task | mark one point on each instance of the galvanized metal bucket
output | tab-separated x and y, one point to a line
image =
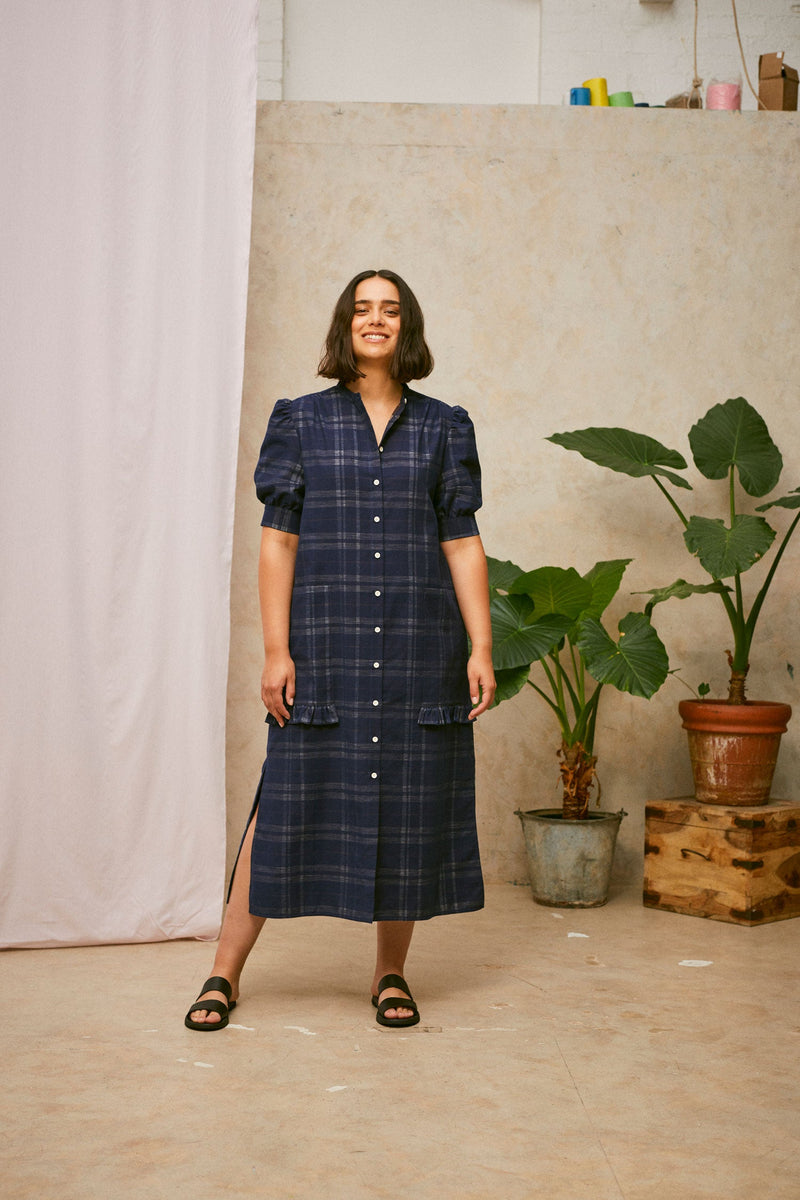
570	861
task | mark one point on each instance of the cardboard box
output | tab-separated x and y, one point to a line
730	864
777	83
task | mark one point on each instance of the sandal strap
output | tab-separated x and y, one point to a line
396	1002
394	981
216	984
210	1006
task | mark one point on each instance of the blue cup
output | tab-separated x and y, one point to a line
580	95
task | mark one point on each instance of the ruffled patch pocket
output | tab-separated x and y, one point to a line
444	714
310	643
309	714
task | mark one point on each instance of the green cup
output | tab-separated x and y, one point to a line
621	100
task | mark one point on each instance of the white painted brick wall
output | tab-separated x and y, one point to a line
647	48
643	48
270	49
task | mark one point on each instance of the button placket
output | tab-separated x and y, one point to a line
375	556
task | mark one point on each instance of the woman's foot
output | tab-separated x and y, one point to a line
220	1004
392	1014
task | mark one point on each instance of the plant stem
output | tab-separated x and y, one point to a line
566	732
661	488
735	612
759	600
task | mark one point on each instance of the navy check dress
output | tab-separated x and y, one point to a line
366	803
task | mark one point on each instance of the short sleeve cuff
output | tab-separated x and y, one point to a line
451	528
284	519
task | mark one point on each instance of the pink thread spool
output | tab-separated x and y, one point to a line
724	96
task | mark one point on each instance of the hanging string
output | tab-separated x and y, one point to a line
696	95
759	102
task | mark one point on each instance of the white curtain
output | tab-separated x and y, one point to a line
127	139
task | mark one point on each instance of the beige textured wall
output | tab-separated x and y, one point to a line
575	268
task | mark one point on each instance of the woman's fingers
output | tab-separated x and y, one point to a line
482	688
277	691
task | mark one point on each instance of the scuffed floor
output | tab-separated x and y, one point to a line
574	1055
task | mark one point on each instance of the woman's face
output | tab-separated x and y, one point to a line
375	327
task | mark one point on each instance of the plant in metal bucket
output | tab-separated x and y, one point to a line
548	634
731	440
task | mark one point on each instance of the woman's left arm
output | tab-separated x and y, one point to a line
467	563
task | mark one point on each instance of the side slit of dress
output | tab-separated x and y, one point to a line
248	823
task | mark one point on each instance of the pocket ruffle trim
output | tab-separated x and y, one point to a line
444	714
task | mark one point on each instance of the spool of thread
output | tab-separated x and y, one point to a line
580	95
724	96
621	100
599	90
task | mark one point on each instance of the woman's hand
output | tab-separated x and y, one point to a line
277	686
482	686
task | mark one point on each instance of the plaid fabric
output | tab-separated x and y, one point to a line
366	804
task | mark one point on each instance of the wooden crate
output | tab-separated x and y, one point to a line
730	864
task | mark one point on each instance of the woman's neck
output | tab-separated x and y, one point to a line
377	387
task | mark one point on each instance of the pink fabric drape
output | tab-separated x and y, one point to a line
127	133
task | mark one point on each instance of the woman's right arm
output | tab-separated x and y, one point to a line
275	581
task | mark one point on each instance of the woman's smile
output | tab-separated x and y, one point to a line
375	327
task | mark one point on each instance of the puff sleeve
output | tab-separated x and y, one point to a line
458	495
279	473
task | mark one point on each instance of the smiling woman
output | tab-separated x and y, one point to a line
372	578
411	358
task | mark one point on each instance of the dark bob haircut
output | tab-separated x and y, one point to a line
412	358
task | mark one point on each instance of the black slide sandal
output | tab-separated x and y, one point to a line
407	1001
215	984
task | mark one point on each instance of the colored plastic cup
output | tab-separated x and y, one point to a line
580	95
599	89
621	100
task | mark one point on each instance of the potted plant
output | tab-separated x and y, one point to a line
733	742
548	634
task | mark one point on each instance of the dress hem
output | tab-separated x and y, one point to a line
347	916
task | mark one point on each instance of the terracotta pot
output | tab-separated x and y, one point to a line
733	748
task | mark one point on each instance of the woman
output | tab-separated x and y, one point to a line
371	575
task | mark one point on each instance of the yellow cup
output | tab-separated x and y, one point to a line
598	89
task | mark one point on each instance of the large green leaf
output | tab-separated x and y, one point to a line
518	640
734	435
623	450
509	683
555	590
679	590
605	578
502	574
790	501
724	552
637	663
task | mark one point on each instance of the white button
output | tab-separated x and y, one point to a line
377	593
376	520
374	774
380	448
376	482
374	739
377	628
375	703
377	553
376	665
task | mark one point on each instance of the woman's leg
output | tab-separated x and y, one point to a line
239	931
394	938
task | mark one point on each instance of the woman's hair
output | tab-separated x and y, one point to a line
412	358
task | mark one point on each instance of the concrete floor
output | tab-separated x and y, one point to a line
562	1055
